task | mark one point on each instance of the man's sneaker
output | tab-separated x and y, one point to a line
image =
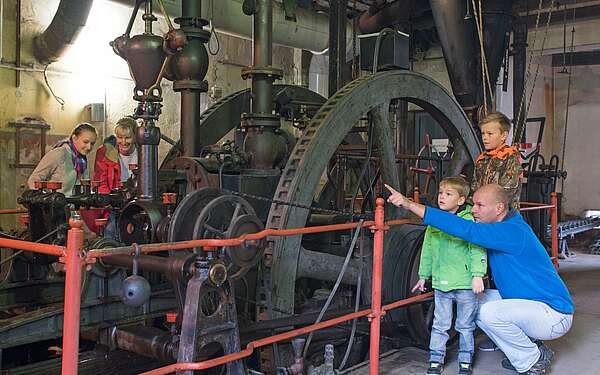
465	368
507	365
539	367
435	368
546	352
487	346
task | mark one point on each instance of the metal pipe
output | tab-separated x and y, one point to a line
496	23
457	37
554	228
147	164
69	20
18	45
519	68
392	14
33	246
74	265
13	211
337	45
325	267
262	56
189	67
310	31
190	118
149	342
210	244
376	311
277	338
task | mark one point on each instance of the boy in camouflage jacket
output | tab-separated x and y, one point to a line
499	163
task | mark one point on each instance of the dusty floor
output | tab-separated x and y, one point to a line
577	353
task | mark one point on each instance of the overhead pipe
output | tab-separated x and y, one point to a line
379	17
309	32
457	36
69	20
496	24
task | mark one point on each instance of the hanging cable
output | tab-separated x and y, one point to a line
213	32
485	75
60	100
356	303
564	143
336	286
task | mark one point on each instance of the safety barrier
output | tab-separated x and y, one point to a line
75	259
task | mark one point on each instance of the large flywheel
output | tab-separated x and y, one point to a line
369	95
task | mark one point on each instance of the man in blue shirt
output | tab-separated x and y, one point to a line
531	301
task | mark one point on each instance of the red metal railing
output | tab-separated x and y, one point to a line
553	207
75	259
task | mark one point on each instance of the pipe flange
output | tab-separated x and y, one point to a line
190	84
217	273
196	33
268	71
259	120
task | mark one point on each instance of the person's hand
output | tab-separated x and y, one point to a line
396	198
477	285
420	285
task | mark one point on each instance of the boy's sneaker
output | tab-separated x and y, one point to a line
465	368
435	368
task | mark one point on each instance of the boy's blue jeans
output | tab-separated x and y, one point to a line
466	311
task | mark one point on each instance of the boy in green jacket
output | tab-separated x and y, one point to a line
456	269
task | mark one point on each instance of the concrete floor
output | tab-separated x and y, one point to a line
578	352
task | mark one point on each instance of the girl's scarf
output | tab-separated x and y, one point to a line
79	161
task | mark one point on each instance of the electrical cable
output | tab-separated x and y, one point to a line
564	143
60	100
356	305
336	286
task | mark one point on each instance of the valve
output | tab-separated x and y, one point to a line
135	289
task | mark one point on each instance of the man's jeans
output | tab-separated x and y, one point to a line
466	310
512	323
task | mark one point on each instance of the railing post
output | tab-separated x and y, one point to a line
376	312
416	195
73	264
554	228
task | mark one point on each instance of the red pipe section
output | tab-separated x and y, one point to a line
277	338
211	244
13	211
73	264
33	246
376	314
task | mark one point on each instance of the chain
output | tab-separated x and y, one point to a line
366	215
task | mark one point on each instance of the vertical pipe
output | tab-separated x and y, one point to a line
519	67
18	46
376	311
416	195
457	37
262	56
73	266
554	228
337	44
190	119
148	17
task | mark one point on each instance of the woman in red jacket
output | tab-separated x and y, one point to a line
112	165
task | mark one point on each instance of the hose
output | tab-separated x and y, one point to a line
336	286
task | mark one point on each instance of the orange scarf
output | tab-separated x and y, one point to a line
502	153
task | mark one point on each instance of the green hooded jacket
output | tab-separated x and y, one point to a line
449	261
